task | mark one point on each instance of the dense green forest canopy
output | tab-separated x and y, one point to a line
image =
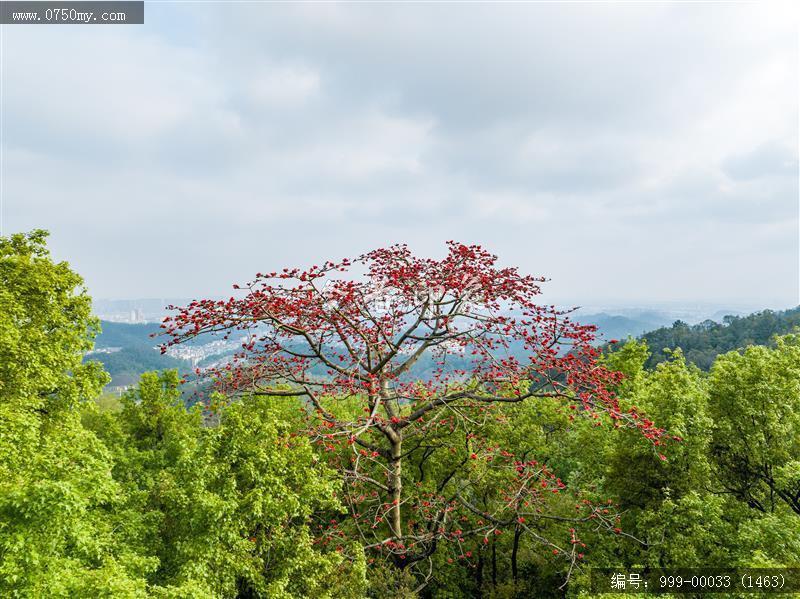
144	497
703	342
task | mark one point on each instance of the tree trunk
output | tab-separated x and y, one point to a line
494	564
517	535
479	575
396	489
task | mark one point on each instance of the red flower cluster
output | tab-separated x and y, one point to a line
327	334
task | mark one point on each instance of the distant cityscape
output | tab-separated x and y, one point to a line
135	316
194	354
135	311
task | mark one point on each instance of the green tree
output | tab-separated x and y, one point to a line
56	487
225	511
140	499
755	403
670	517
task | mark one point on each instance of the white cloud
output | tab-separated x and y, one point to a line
559	136
284	85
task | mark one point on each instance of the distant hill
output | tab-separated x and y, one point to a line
701	343
119	334
616	326
127	351
126	365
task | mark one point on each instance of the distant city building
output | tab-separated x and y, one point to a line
195	353
104	350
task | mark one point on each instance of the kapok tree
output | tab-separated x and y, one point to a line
348	337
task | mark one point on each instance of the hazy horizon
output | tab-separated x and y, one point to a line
103	307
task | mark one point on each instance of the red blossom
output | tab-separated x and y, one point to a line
321	335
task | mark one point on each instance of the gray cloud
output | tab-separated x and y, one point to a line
641	151
767	160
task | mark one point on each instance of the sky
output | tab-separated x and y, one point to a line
631	152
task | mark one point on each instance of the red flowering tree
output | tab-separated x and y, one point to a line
350	345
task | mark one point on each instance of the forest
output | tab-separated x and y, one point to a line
317	468
703	342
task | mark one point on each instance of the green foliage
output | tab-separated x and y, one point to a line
703	342
138	496
56	487
46	326
755	402
696	508
674	512
223	510
135	352
129	363
674	396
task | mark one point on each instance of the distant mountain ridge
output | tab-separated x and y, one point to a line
134	350
703	342
617	326
135	353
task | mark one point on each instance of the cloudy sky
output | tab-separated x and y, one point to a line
631	152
